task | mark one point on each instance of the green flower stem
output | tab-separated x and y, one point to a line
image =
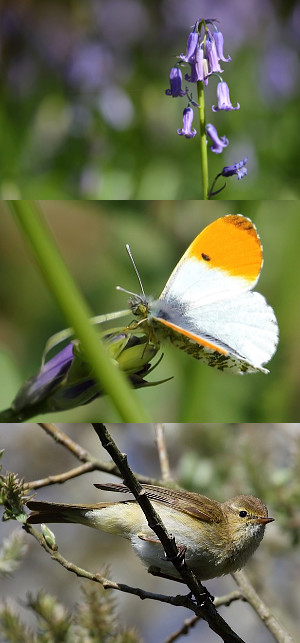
203	144
75	310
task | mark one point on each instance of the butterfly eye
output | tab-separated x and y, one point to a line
243	514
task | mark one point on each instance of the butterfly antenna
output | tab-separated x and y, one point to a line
135	268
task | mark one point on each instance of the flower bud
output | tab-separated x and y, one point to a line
49	537
66	380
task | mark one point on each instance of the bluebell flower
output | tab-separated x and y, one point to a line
186	131
219	41
229	170
237	168
191	46
199	68
224	98
212	56
218	143
175	82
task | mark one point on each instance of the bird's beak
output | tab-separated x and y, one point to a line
264	521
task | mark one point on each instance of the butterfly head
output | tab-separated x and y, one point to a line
140	306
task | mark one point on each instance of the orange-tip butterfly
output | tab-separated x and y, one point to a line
207	308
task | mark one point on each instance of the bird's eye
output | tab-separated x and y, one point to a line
243	514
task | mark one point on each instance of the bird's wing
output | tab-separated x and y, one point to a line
193	504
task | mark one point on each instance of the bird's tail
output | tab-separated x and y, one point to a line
60	512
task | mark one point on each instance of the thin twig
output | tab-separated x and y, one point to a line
188	623
227	599
203	606
178	600
183	601
162	452
61	477
264	613
60	437
90	463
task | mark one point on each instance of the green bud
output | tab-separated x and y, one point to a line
49	537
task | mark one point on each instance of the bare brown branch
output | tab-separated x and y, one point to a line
60	437
187	625
264	613
61	477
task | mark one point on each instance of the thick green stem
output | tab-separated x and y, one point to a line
75	310
203	144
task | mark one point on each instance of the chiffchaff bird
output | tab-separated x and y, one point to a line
218	537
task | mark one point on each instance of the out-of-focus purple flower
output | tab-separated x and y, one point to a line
190	48
219	41
275	82
212	56
175	82
218	142
52	372
237	168
53	375
186	131
224	99
199	68
66	380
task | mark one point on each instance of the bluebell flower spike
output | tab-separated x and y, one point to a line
204	51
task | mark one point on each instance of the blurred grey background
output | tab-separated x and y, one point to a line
214	459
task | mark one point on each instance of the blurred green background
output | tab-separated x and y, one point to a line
84	114
92	237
